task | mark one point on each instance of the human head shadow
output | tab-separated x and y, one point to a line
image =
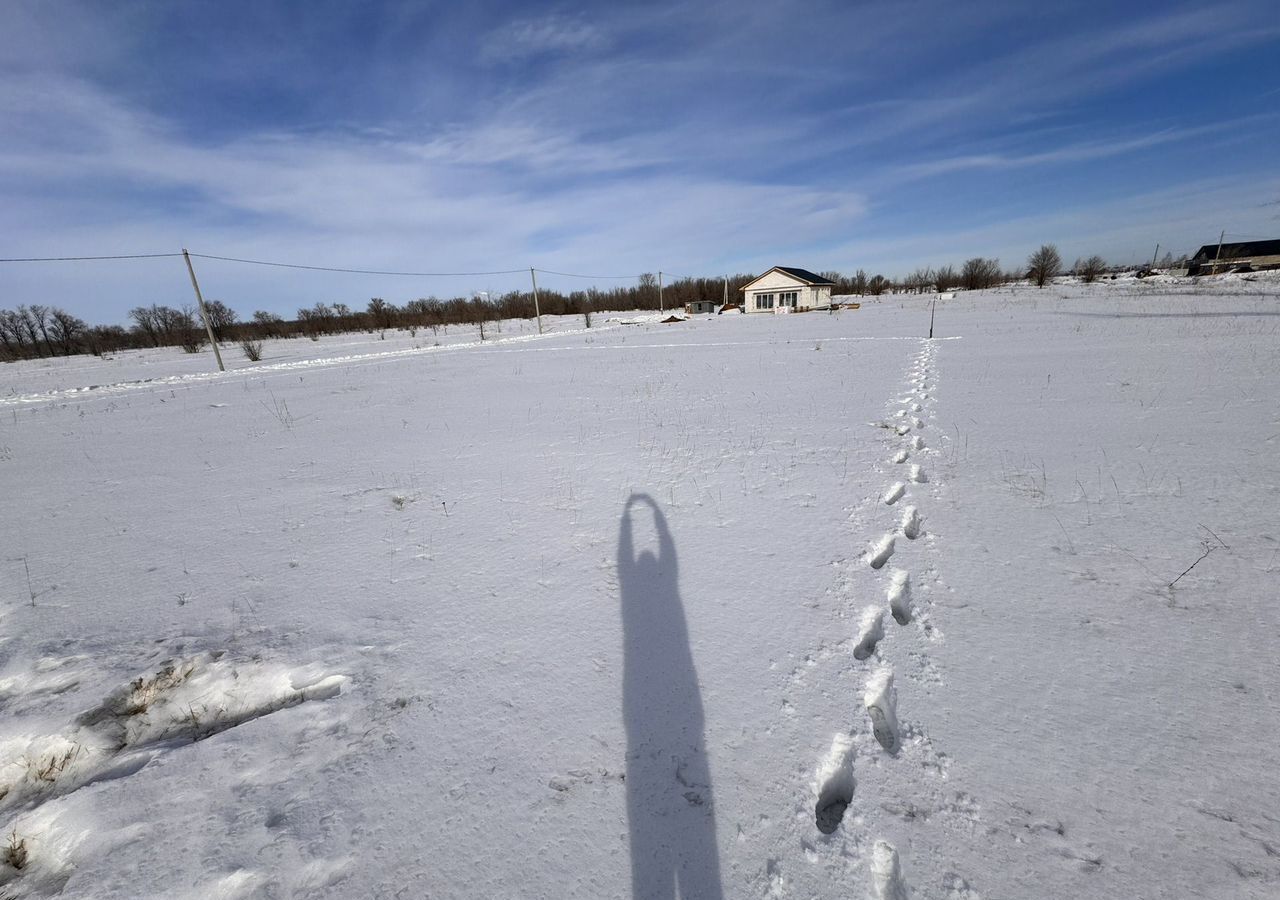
670	811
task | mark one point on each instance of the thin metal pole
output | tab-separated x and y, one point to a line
660	307
536	310
932	308
1218	255
204	313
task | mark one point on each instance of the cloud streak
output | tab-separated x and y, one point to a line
554	34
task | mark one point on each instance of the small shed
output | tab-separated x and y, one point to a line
700	307
786	289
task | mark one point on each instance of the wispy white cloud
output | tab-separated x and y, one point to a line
1085	151
553	34
449	204
1047	76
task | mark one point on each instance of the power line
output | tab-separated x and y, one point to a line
84	258
351	271
281	265
577	275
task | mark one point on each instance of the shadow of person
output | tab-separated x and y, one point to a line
669	802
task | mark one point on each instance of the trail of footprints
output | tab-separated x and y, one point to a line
835	780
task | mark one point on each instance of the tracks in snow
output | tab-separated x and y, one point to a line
879	791
895	741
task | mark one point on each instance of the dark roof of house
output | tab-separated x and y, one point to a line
804	275
1209	252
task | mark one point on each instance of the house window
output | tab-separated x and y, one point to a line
764	301
788	298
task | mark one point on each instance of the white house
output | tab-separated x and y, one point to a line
786	289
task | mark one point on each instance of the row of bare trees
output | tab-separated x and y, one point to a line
36	330
39	330
976	274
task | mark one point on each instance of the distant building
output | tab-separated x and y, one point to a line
1249	256
697	307
786	289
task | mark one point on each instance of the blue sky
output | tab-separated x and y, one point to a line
613	138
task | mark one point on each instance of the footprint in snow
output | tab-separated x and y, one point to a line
835	784
911	523
900	597
881	552
894	494
886	873
870	631
878	697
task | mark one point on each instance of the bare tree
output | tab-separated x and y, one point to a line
648	290
945	278
979	274
481	313
381	313
920	280
1044	264
27	322
343	320
1089	269
858	285
183	328
270	324
66	329
877	285
144	322
317	320
102	339
12	335
40	316
221	318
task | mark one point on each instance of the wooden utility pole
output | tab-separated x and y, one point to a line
661	309
1153	257
1218	255
536	311
726	294
204	313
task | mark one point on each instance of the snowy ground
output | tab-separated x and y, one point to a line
779	606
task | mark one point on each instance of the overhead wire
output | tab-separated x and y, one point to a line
576	275
350	271
85	258
282	265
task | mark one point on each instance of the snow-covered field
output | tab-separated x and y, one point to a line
783	606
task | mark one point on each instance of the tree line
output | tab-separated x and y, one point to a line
37	330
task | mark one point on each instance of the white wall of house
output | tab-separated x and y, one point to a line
776	290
